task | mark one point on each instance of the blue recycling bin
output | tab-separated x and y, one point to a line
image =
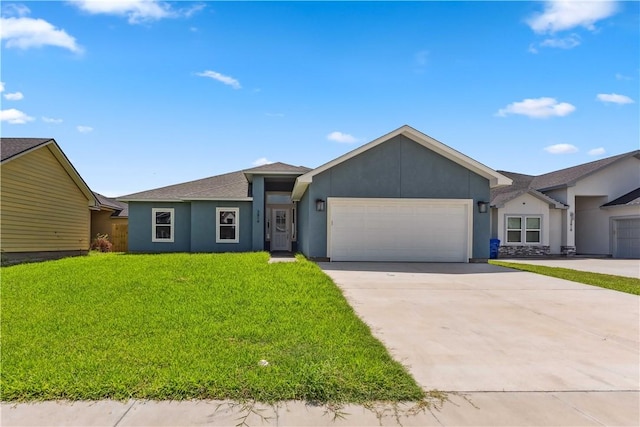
494	248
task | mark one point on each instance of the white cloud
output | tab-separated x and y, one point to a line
620	76
274	114
136	11
228	80
51	120
344	138
13	9
262	161
25	33
84	129
597	151
538	108
561	149
614	98
560	15
1	86
568	42
190	11
15	96
14	117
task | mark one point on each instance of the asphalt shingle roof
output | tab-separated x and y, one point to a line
521	184
278	167
233	185
632	198
569	176
121	210
10	147
557	179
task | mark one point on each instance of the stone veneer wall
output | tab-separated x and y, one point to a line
568	250
523	251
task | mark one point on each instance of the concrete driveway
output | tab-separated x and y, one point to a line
501	334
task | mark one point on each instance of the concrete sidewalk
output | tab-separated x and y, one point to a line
472	409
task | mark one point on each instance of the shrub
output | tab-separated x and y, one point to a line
101	243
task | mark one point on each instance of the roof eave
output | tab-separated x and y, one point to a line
300	187
29	150
187	199
71	171
159	200
225	199
249	175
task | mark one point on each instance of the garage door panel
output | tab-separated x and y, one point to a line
399	230
628	238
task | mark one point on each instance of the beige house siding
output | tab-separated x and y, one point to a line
42	207
101	223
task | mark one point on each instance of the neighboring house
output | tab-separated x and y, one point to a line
590	209
44	203
401	197
112	220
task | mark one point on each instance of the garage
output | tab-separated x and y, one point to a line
627	238
418	230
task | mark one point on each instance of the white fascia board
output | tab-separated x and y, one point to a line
224	199
188	199
249	175
552	202
299	189
495	179
125	199
25	152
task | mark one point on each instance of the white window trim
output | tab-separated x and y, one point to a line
154	225
523	229
237	225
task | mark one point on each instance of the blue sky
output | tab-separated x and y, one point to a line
142	94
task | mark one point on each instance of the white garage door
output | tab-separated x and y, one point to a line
627	238
427	230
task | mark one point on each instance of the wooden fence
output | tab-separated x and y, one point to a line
120	237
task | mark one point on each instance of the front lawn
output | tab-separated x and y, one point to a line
618	283
181	326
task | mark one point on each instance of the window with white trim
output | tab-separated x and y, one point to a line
162	220
524	229
227	222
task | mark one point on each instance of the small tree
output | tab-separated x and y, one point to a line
101	243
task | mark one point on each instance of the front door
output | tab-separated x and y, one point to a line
281	233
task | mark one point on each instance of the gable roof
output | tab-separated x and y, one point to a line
229	186
495	179
14	148
569	176
522	184
120	209
632	198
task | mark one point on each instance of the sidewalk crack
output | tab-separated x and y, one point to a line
125	414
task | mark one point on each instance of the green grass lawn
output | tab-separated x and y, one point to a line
618	283
181	326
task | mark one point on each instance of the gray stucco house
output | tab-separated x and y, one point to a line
401	197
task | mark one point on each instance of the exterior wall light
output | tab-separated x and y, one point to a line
320	205
483	207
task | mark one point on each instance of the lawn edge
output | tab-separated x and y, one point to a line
612	282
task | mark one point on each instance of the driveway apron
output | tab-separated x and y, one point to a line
479	328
